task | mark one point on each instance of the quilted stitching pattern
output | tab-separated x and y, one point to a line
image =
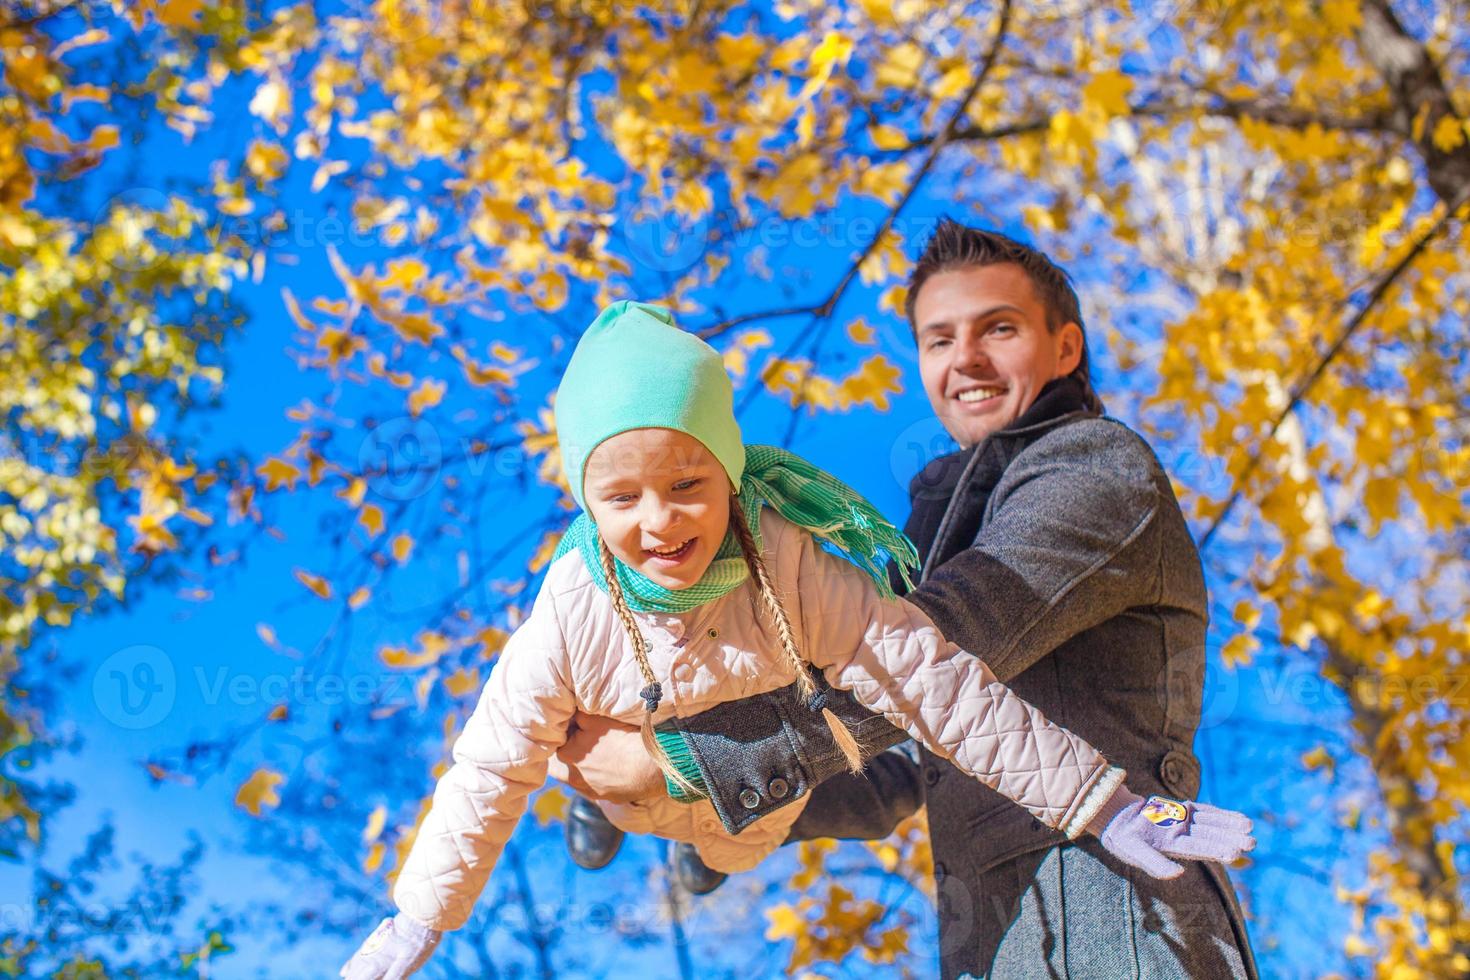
891	656
572	654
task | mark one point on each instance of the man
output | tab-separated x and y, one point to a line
1055	551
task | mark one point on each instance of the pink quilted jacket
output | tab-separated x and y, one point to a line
572	654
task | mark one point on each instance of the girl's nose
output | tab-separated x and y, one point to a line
658	515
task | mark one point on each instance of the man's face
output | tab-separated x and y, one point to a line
661	501
984	349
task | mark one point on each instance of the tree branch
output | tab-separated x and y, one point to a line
1299	391
1286	116
942	139
1420	99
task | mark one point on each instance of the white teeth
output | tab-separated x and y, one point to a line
669	551
980	394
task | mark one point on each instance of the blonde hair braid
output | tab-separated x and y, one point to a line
843	736
653	692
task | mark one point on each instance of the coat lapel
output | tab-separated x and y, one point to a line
948	506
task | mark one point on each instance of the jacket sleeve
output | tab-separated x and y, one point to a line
1072	541
891	656
500	758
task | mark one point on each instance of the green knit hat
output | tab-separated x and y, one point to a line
633	369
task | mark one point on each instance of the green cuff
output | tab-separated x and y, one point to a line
677	749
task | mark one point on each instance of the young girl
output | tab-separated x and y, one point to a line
694	576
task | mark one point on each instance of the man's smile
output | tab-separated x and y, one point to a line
980	394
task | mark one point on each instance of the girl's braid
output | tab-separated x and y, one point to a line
653	692
851	750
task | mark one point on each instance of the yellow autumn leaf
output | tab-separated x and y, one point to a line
886	137
180	13
354	492
265	160
375	823
277	473
784	923
551	804
272	102
491	641
359	597
259	791
544	551
871	384
315	583
371	519
1318	758
417	327
900	66
1107	93
401	547
431	646
1449	133
1238	650
428	394
464	681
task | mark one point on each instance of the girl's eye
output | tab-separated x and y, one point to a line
624	498
687	484
937	342
1003	328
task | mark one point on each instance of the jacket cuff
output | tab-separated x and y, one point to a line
676	748
1103	801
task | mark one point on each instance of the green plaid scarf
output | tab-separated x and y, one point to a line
800	492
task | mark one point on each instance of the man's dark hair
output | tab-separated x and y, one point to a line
956	246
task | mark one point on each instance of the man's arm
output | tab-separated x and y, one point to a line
1072	542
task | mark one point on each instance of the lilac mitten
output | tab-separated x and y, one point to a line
1146	833
396	949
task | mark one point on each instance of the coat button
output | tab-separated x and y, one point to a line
1178	772
778	788
931	775
1036	824
939	870
750	799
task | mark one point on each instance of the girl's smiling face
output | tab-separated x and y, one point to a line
661	502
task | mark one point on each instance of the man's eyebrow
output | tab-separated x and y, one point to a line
982	315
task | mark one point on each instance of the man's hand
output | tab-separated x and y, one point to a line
604	759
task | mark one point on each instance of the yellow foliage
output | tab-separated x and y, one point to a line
259	791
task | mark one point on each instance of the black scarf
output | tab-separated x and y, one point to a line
937	489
